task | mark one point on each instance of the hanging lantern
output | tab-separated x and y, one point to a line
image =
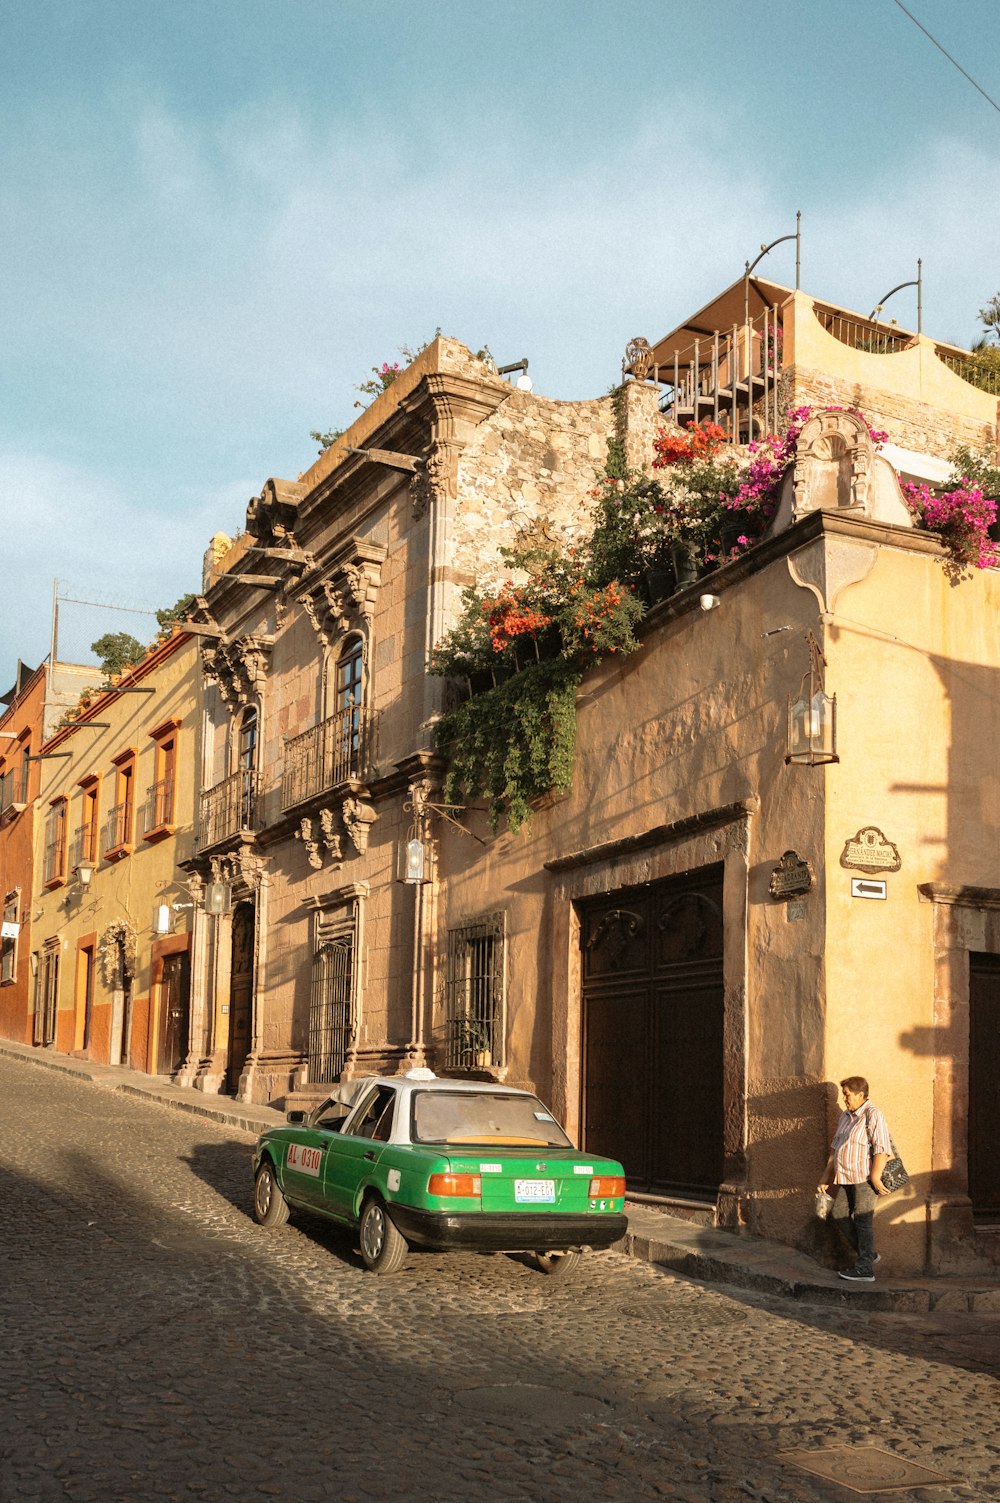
812	716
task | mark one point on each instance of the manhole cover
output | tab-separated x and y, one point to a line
691	1314
530	1401
866	1469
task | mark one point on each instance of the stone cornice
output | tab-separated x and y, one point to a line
958	896
678	829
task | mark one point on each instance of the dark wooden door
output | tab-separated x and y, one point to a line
240	994
984	1086
175	1009
653	1016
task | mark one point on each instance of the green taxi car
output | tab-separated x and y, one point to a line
412	1160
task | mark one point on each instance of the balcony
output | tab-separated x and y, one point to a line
228	809
54	865
84	846
338	750
116	837
158	809
13	791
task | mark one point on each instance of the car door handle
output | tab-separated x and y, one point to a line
370	1154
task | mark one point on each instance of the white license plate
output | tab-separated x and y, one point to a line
534	1190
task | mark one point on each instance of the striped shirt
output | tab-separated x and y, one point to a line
858	1137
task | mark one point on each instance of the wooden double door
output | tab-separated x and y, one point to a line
653	1033
984	1087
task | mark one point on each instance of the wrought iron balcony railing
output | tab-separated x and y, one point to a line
13	789
84	846
336	750
117	827
158	809
228	809
55	860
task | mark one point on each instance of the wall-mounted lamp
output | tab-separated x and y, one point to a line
163	919
708	602
85	874
218	898
812	717
413	859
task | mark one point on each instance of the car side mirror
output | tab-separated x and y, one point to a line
296	1117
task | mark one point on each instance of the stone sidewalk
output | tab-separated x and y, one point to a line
699	1252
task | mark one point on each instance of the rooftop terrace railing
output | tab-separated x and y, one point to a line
730	378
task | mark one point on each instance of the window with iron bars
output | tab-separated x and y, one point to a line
331	1005
474	1020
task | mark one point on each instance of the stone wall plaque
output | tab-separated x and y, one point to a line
869	851
790	877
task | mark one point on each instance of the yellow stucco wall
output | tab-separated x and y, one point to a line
128	886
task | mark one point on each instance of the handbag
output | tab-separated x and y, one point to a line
894	1175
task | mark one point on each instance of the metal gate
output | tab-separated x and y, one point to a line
330	1012
653	1033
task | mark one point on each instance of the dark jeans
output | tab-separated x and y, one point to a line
854	1217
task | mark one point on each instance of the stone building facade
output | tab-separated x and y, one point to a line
686	951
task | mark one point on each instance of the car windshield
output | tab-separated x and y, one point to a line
484	1117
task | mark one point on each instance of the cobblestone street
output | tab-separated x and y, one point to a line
158	1345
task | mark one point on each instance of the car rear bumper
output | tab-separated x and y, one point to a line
506	1232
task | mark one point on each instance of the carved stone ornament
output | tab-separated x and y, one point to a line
359	817
271	515
326	837
239	668
436	480
313	853
834	464
869	851
347	595
639	357
791	877
243	868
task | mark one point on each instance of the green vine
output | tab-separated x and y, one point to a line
513	742
616	444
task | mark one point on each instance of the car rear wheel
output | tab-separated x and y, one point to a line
383	1246
557	1264
270	1208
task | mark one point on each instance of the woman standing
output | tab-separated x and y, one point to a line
860	1151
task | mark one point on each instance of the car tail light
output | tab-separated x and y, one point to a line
467	1185
607	1187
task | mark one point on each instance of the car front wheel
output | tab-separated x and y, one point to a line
270	1208
383	1247
557	1264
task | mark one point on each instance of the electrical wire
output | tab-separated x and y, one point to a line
947	54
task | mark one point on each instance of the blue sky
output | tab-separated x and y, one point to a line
217	217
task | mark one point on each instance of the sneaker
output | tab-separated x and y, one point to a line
854	1276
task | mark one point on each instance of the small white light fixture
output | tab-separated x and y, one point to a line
708	602
162	919
812	717
85	874
525	383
